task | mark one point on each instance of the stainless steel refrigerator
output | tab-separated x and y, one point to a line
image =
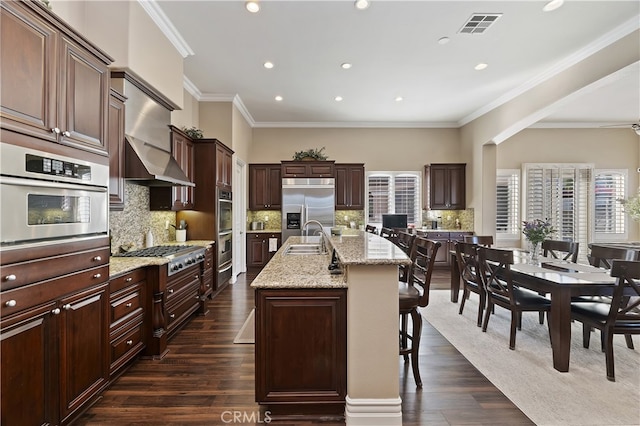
305	199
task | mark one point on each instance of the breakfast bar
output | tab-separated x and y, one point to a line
326	339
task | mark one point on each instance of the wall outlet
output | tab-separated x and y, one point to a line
166	225
266	218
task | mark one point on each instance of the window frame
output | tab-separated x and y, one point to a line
513	213
392	186
611	236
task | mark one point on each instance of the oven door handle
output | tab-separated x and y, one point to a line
226	268
4	180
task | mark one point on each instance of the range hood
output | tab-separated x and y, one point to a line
147	164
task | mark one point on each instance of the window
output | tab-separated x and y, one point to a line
507	204
609	217
394	193
560	193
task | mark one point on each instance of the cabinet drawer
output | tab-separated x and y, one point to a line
126	346
123	281
177	312
437	235
124	307
176	289
28	272
458	236
15	300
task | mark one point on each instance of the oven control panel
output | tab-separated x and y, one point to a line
182	262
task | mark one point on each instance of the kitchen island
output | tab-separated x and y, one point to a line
327	344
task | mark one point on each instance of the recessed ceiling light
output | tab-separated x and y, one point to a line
552	5
268	65
345	65
278	98
252	6
443	40
362	4
338	98
399	98
480	66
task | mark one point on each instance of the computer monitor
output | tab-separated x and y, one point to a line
394	221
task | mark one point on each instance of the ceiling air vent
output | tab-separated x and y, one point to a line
479	22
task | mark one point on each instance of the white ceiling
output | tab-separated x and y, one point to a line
393	46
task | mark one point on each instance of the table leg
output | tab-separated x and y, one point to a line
455	278
560	328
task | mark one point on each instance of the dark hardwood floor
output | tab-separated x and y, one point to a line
206	379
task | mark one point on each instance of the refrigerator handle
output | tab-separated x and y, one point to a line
305	213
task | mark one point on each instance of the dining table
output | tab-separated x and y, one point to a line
560	280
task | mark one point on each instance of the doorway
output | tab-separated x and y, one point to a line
239	219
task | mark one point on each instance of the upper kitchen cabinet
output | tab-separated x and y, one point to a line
116	150
308	169
176	197
224	166
55	83
445	184
265	186
349	186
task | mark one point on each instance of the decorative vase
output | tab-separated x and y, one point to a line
534	251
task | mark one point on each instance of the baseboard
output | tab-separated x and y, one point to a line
373	412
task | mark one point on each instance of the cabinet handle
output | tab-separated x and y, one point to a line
11	277
67	133
97	275
196	276
172	316
56	311
208	285
67	307
55	130
128	305
129	279
97	258
129	342
10	303
171	291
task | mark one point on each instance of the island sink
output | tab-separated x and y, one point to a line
304	249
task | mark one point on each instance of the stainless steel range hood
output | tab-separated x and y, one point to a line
147	164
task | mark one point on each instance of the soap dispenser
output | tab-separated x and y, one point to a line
149	239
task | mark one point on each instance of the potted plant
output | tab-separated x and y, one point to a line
193	132
312	154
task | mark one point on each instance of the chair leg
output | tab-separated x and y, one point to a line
609	354
629	340
465	295
481	303
487	313
415	345
404	336
586	335
519	320
514	325
541	317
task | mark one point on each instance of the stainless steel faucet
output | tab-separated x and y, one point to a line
321	231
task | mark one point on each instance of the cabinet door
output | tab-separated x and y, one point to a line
349	186
84	98
188	165
84	347
223	166
27	44
442	256
258	189
28	346
257	250
356	176
343	195
116	151
446	186
457	197
275	187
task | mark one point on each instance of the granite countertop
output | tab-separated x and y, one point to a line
122	265
311	271
263	231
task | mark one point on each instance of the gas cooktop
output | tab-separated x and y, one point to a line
180	256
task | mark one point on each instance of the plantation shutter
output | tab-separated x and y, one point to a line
379	197
507	202
560	193
609	212
406	197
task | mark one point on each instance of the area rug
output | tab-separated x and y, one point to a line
247	332
582	396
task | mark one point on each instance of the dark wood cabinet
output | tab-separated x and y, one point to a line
301	365
208	285
116	150
224	167
54	332
265	186
55	84
447	240
308	169
445	186
349	186
258	254
176	197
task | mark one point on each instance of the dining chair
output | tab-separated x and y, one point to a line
467	258
404	240
560	249
496	276
388	233
481	240
621	316
413	294
372	229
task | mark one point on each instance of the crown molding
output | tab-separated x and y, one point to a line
358	124
162	21
191	88
243	110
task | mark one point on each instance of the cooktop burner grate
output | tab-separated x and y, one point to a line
159	251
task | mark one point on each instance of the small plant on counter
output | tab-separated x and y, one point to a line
310	154
193	132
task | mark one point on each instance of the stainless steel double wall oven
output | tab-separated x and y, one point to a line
225	235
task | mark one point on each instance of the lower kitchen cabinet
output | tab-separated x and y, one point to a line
447	240
258	254
301	350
